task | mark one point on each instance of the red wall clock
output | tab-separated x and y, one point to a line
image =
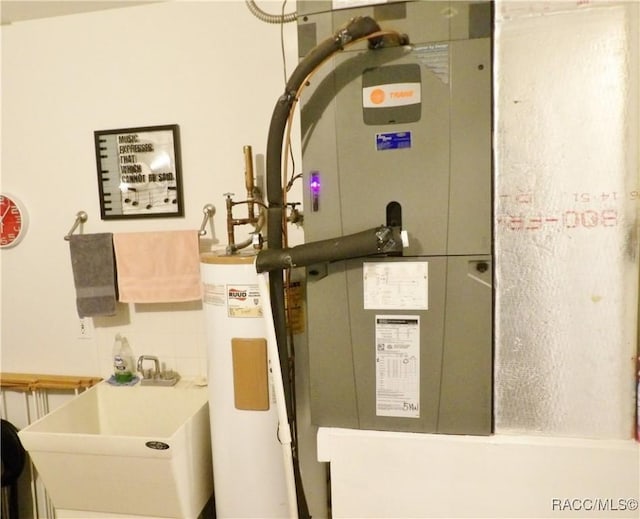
13	221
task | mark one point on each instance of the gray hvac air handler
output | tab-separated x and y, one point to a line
402	136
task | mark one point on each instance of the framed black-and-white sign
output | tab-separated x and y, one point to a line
139	172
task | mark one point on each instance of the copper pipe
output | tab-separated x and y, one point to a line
231	241
248	177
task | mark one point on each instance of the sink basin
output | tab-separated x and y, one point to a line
137	450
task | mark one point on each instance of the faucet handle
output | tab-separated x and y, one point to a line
148	373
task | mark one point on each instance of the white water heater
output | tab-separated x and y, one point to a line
248	467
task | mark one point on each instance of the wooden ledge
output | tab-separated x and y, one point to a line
33	381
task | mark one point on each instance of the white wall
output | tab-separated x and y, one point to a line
209	66
212	68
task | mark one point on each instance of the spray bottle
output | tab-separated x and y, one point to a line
122	360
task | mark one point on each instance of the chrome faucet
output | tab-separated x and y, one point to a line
155	376
149	373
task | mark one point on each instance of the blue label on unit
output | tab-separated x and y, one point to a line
393	141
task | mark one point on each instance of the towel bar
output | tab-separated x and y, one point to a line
81	217
208	210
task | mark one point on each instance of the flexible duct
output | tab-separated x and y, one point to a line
270	18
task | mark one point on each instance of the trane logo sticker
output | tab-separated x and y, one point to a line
396	94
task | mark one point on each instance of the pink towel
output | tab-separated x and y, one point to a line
158	267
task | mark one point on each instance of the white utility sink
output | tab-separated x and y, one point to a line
135	450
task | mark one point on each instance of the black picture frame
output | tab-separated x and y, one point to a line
139	172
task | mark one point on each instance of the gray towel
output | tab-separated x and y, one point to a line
94	273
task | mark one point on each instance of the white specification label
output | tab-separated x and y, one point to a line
398	366
396	285
214	294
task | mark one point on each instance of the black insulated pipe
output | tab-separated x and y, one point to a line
357	28
380	240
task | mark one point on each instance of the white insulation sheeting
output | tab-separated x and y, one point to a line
566	232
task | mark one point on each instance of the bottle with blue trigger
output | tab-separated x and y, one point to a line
122	360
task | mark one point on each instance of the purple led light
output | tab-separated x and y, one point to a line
314	183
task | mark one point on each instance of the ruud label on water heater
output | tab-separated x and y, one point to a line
391	94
